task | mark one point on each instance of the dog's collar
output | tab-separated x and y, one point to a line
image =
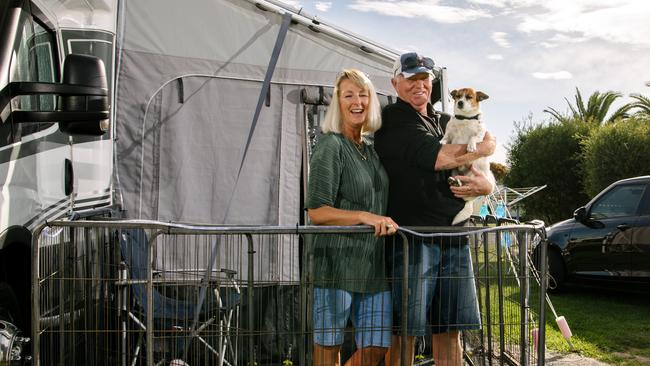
478	116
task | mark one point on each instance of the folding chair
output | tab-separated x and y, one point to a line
173	313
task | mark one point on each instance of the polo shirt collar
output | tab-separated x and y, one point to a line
403	104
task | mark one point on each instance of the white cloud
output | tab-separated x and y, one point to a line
500	38
566	38
429	9
558	75
494	3
323	5
495	56
618	21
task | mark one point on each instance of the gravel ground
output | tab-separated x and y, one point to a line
573	359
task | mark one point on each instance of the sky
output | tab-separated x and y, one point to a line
527	55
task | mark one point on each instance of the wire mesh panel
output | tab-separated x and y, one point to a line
150	293
76	289
508	295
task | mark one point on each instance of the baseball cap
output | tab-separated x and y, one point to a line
411	63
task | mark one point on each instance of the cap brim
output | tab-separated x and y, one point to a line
416	70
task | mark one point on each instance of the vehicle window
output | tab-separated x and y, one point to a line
620	201
93	43
33	60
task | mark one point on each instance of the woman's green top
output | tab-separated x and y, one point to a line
350	178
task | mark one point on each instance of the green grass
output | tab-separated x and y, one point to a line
608	325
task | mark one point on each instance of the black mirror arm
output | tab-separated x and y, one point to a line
47	117
35	88
16	89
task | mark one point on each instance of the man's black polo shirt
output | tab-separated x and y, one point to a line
408	147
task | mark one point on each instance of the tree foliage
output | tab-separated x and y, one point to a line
641	104
549	155
595	110
579	153
499	170
617	151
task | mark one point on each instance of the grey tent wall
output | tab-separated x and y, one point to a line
186	93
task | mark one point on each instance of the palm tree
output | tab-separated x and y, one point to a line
642	103
595	110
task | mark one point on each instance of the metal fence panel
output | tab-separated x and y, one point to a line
147	293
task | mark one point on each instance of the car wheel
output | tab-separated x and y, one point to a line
555	270
9	309
13	346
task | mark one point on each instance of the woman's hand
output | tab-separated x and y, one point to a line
326	215
472	186
384	225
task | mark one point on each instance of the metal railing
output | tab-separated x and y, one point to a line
85	309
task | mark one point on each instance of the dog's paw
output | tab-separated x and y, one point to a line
471	147
444	141
454	182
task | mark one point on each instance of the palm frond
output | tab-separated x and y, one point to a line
557	115
642	104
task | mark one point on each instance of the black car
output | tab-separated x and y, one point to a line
606	240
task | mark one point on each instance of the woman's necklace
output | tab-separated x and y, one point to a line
358	146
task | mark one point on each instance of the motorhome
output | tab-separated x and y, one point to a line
178	111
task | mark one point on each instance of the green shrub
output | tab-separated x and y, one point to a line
616	151
549	155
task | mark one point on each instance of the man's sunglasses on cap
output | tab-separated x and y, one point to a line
412	60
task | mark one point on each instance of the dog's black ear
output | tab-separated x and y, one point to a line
481	96
454	93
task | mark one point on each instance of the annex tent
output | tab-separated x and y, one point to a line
189	76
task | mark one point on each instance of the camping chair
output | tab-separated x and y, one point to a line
172	313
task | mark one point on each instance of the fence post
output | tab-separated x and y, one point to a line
251	273
524	293
542	308
36	311
502	341
149	287
405	301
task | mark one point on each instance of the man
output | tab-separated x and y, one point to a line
418	166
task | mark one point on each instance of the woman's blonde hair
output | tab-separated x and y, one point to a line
332	121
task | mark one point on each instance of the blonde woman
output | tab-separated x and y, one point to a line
349	186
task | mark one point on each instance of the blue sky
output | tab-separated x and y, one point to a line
526	55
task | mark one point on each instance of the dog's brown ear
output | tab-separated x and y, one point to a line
481	96
454	93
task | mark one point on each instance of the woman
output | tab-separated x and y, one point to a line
348	186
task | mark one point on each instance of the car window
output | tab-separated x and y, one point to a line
620	201
34	59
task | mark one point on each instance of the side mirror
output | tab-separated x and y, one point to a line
87	71
580	214
83	98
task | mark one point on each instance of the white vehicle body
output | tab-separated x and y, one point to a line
33	166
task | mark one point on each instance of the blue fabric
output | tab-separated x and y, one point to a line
500	210
442	292
134	249
370	313
484	210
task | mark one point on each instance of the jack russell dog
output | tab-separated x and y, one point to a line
465	127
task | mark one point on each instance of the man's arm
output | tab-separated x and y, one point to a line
452	156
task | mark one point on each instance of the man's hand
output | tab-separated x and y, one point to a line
472	186
487	146
452	156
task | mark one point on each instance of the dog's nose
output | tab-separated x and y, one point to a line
460	104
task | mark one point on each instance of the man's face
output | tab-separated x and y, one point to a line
415	91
